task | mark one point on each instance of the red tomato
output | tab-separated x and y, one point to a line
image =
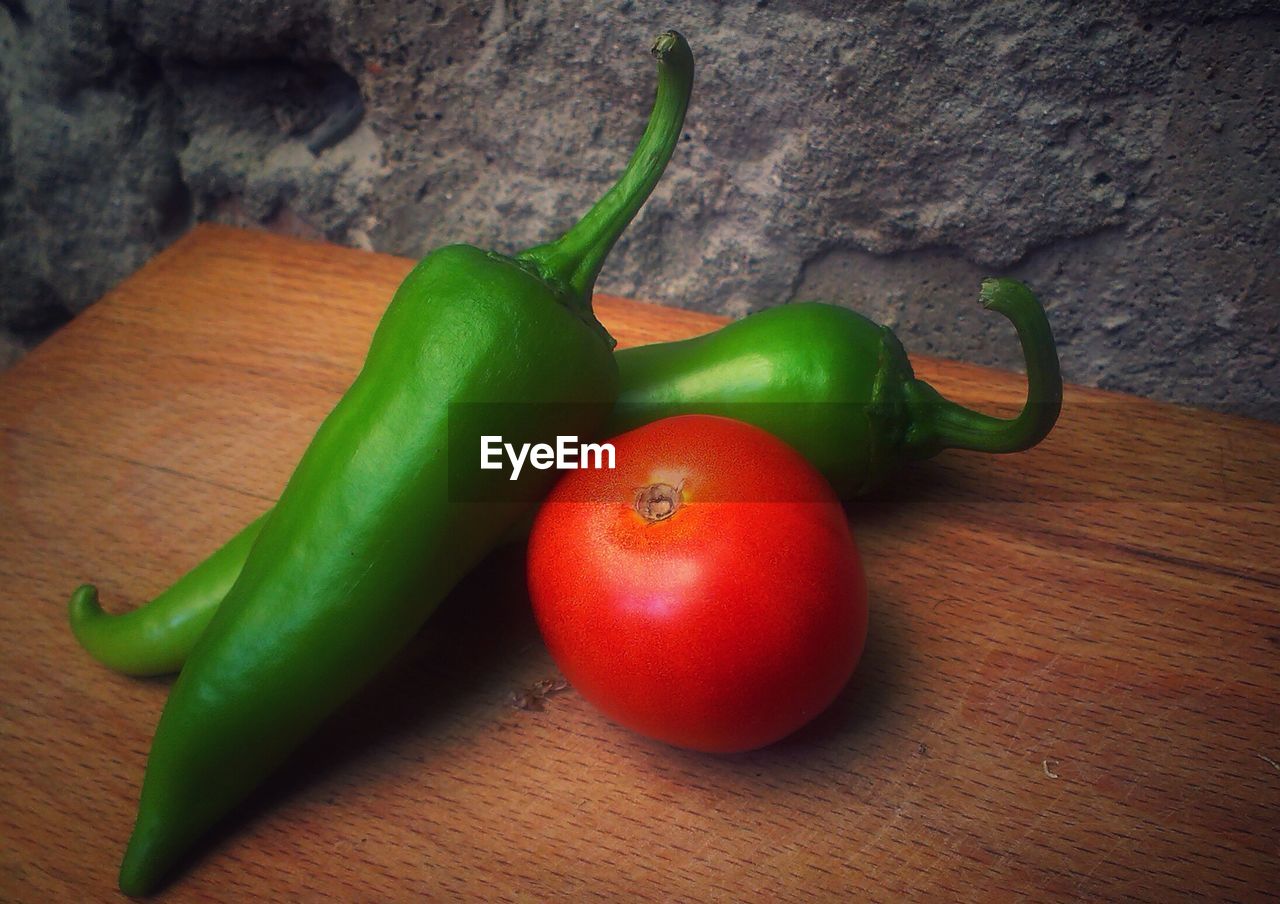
707	592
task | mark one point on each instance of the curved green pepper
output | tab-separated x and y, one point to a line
838	387
156	638
374	528
832	383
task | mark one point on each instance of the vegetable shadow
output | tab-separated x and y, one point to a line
457	669
947	480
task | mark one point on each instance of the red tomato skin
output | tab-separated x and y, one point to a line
722	628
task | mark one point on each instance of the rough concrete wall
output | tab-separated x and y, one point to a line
1118	156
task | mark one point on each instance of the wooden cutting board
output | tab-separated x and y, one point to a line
1070	688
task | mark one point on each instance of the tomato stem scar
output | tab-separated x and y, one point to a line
657	501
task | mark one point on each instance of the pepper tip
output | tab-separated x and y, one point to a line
84	605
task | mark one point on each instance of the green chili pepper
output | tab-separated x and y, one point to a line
373	528
156	639
838	387
830	382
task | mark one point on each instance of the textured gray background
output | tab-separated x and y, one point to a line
1121	157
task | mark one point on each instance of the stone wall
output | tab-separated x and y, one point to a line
1121	157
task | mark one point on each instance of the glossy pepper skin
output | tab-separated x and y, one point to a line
156	639
830	382
838	387
374	528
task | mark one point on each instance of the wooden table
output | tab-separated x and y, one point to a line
1070	689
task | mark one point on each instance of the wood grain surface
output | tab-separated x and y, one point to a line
1070	688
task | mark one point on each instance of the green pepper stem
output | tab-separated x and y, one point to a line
939	423
575	259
